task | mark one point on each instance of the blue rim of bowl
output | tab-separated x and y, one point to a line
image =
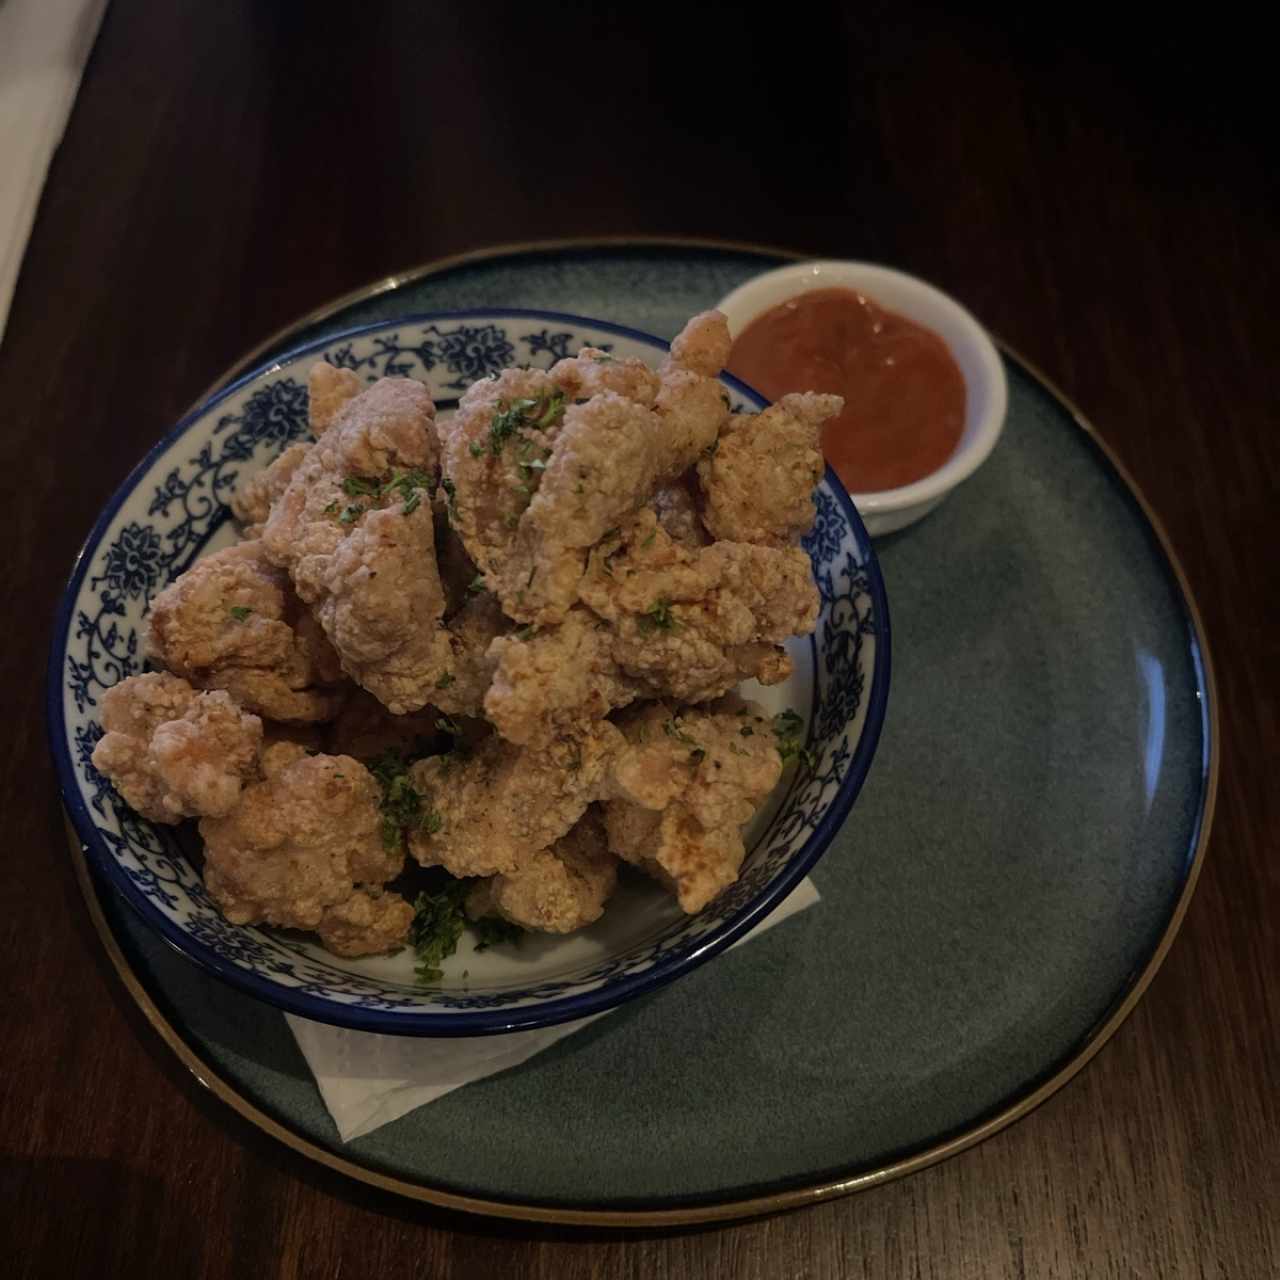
478	1022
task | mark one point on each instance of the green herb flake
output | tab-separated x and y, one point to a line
438	922
477	448
648	542
673	730
445	680
403	806
601	357
359	487
451	493
332	508
493	931
446	725
351	514
526	632
658	616
476	585
788	728
239	612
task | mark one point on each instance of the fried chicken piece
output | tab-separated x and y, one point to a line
610	456
758	484
368	923
365	728
692	624
556	680
592	371
472	630
232	621
354	529
328	392
559	889
172	752
251	502
702	346
683	790
500	804
297	846
492	450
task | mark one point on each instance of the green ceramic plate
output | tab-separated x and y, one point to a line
1012	876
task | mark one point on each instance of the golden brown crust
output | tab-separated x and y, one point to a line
172	752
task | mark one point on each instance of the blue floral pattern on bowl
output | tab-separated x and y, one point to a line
173	506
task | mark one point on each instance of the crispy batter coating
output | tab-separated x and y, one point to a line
370	922
758	484
591	371
232	621
328	391
692	624
557	680
687	784
172	752
252	499
472	630
702	346
361	550
559	889
494	468
501	803
610	456
298	844
365	728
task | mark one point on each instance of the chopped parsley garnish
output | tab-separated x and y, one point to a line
239	612
493	931
511	520
332	508
673	730
653	533
658	616
524	414
526	632
359	487
445	680
351	514
789	730
438	922
476	585
446	725
403	806
534	464
601	357
477	448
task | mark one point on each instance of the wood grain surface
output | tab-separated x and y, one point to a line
1103	195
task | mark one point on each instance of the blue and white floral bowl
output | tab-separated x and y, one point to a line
172	509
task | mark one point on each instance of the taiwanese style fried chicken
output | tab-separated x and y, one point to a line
684	789
234	622
504	642
173	752
559	889
304	849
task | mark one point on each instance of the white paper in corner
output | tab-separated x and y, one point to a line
368	1080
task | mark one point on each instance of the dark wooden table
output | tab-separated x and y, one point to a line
1102	196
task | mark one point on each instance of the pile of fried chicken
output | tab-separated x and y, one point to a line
537	611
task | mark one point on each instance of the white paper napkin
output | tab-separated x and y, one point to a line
43	48
368	1080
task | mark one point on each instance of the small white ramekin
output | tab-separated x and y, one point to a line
987	389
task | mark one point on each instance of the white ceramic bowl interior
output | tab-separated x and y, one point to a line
985	382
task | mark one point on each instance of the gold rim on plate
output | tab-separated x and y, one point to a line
753	1206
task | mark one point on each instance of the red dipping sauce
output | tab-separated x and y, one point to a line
904	394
